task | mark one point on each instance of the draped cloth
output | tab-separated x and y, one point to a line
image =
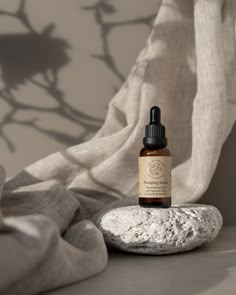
48	236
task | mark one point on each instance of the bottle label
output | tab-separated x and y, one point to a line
155	177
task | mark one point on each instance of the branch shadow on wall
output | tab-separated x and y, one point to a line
22	57
100	10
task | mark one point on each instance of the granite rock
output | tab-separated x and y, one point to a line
160	231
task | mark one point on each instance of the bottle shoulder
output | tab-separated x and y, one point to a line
162	152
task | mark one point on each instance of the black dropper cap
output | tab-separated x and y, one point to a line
155	131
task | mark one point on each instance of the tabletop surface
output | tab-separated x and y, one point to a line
209	270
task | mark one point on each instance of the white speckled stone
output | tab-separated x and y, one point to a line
160	231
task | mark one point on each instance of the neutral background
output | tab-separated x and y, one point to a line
60	64
60	70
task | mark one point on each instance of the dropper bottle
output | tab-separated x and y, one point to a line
155	164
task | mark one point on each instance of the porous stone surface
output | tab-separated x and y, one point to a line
160	231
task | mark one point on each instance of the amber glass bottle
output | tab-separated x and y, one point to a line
155	165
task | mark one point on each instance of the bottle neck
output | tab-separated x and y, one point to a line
154	146
154	142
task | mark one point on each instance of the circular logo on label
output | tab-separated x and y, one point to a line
156	169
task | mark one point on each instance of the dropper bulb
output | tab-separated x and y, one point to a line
155	115
155	132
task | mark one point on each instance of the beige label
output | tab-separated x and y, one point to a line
155	177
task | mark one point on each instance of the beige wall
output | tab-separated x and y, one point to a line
60	69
